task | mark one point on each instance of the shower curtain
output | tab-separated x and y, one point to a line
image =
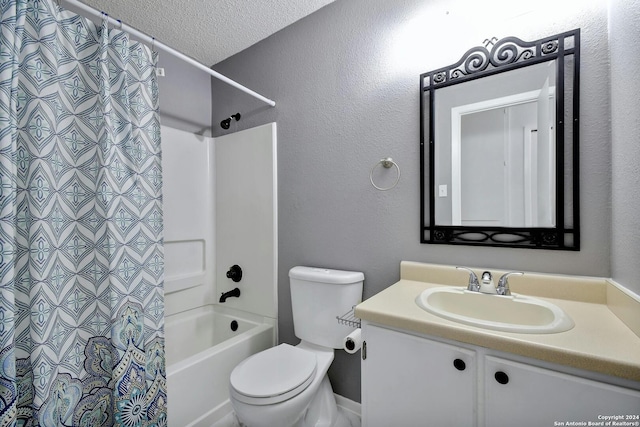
81	255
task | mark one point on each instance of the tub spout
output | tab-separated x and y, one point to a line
232	293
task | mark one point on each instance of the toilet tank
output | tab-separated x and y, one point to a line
318	295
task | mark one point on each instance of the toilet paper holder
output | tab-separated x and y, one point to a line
349	319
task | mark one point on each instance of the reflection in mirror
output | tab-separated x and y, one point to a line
495	150
501	165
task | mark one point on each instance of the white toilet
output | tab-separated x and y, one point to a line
287	386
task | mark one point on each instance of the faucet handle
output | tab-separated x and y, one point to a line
473	285
503	283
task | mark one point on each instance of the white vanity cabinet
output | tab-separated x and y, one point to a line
520	394
411	381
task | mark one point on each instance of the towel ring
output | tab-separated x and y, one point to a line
386	163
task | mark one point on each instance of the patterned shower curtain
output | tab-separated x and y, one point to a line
81	256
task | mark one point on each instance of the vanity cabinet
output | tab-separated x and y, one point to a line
411	381
520	394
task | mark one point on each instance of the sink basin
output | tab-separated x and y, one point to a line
512	313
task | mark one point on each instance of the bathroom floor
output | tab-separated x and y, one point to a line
231	420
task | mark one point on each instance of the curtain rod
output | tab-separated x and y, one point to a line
151	40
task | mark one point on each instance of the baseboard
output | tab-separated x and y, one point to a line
348	404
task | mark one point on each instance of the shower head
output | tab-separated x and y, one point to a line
227	122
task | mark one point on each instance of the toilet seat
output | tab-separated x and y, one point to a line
273	375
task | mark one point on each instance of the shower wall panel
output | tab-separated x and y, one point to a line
246	217
188	220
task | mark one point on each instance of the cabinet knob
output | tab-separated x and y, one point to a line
501	377
459	364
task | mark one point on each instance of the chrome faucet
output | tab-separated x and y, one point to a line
486	283
473	285
503	283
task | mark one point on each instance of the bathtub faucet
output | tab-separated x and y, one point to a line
233	293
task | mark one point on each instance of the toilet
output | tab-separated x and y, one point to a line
287	386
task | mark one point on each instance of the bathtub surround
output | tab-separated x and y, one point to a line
189	233
221	210
246	212
346	82
82	272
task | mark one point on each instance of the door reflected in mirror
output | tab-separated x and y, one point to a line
502	167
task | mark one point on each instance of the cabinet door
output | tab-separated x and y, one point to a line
523	395
409	381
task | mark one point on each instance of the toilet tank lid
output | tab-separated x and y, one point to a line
325	275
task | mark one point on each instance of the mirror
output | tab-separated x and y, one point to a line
499	146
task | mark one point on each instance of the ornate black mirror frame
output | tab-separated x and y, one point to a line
508	54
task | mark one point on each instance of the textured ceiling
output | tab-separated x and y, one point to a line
208	30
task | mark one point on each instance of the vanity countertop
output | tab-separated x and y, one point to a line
599	342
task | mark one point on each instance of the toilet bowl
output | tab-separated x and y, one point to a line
288	386
285	386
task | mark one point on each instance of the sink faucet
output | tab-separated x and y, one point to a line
232	293
473	285
503	283
486	283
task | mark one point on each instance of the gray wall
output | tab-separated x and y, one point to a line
625	146
347	98
185	96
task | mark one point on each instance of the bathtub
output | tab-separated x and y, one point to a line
201	351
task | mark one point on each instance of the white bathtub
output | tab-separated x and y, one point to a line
201	351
